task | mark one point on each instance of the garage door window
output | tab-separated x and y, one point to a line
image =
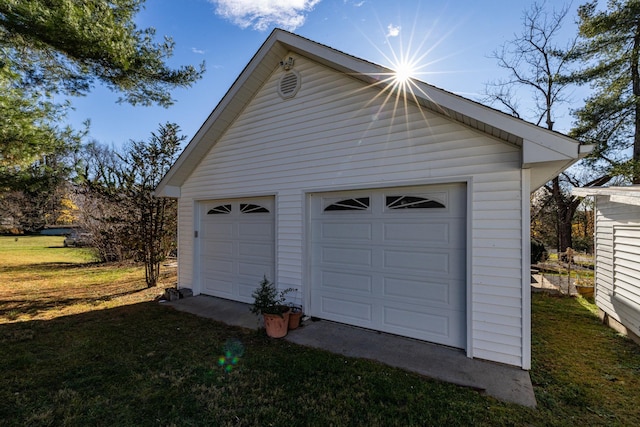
251	208
412	202
358	204
222	209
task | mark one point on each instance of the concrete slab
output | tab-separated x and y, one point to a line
503	382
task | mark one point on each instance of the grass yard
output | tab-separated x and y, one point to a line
41	280
83	344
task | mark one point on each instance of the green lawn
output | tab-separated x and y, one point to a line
82	344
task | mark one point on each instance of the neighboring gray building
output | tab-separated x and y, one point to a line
403	214
617	256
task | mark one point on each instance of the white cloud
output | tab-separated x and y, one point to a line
198	51
393	31
261	14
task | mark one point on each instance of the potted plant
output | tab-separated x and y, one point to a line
295	314
584	287
270	303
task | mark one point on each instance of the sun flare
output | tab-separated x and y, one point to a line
403	72
406	62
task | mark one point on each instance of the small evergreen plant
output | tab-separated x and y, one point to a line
267	299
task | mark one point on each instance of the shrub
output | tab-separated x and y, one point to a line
538	251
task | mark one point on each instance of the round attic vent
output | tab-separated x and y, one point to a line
289	84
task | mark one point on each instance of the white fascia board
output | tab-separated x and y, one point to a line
170	191
223	114
553	141
629	195
582	192
533	152
626	200
586	149
325	55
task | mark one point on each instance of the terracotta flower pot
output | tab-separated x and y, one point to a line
294	317
276	325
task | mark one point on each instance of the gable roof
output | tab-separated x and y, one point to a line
545	152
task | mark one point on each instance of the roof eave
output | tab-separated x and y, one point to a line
539	145
628	192
223	114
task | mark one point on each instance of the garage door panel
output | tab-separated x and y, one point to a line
254	269
218	266
416	289
219	230
338	280
416	262
435	232
219	286
441	326
417	320
335	255
347	310
444	235
218	248
262	230
346	231
245	290
246	284
429	293
255	249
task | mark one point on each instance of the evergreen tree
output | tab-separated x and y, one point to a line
61	48
64	46
610	118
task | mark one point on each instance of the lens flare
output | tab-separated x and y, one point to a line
403	72
233	350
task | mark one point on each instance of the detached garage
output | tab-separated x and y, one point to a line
390	205
617	256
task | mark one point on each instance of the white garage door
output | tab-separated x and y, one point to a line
236	246
392	260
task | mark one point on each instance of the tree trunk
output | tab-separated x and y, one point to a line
564	216
565	235
566	208
635	75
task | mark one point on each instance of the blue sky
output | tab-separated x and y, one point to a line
452	38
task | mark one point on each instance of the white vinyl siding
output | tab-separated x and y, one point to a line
626	263
618	261
335	135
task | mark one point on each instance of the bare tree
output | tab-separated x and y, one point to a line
120	210
104	211
537	63
155	219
